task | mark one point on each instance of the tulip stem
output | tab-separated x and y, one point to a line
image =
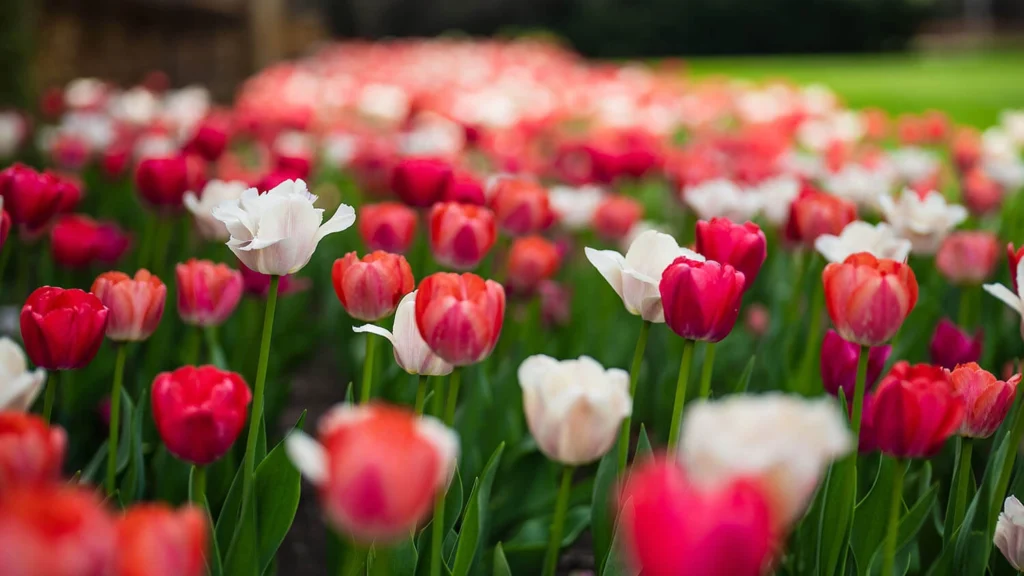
634	377
115	416
50	395
681	383
812	348
968	302
437	523
858	392
895	506
371	348
193	340
707	369
421	393
355	559
198	492
213	348
955	513
558	523
453	396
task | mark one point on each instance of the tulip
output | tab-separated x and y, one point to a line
18	386
155	540
757	319
5	224
114	160
214	193
913	411
76	241
199	412
839	360
207	292
575	207
460	316
371	288
162	180
521	206
725	440
420	182
277	232
460	235
925	221
377	468
210	138
136	304
1013	257
531	260
411	352
671	527
464	188
742	246
1009	535
56	530
258	284
33	199
813	214
701	298
868	299
879	240
951	346
31	452
616	216
967	258
388	226
721	198
987	401
981	193
62	329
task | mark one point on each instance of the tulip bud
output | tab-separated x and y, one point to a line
31	452
1009	536
18	387
868	299
815	213
967	258
258	284
155	540
839	360
162	180
951	346
464	188
378	468
913	411
77	241
521	206
758	319
214	193
199	412
986	400
371	288
531	260
62	329
574	408
136	304
210	138
701	298
31	198
460	316
420	182
981	194
207	293
411	351
388	226
742	246
460	235
616	215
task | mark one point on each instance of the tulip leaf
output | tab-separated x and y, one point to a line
213	560
98	459
616	564
243	557
399	558
134	482
227	520
643	446
909	525
840	491
744	382
501	567
525	549
868	526
475	517
124	446
276	490
601	514
452	511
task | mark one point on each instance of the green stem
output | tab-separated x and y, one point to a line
355	559
453	396
199	485
895	508
213	348
381	560
634	377
437	523
558	523
421	393
707	369
681	383
858	392
955	513
115	416
812	347
371	348
191	348
51	395
1004	474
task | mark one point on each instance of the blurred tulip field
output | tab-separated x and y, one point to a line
490	308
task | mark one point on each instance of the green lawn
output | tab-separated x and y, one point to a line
971	87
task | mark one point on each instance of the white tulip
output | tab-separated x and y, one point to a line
775	196
639	228
913	164
1007	172
214	193
1006	296
722	198
1009	536
411	350
12	132
137	106
860	236
860	185
575	207
276	233
1013	124
785	441
926	223
84	92
18	387
635	277
574	408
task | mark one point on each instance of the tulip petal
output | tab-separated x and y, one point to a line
308	455
374	329
609	264
1008	297
343	217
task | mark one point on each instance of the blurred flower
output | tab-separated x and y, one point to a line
616	216
859	236
869	298
258	284
555	303
575	207
1013	299
951	346
76	241
520	206
987	401
62	329
924	221
31	452
208	292
378	468
531	260
742	246
214	193
136	304
210	138
411	351
701	298
1009	534
370	288
757	319
981	194
914	164
775	195
114	160
813	214
912	412
156	540
968	258
460	235
199	411
420	182
722	199
162	180
33	199
18	387
387	226
460	316
860	184
839	365
277	232
574	408
13	129
464	188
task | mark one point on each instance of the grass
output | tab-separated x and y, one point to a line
972	87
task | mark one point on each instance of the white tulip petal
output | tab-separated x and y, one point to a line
610	264
308	455
374	329
1006	296
344	217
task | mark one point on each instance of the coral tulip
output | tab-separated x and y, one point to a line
207	292
815	213
701	299
460	316
371	288
987	401
155	540
62	329
616	215
531	259
388	226
31	452
742	246
951	346
967	258
460	235
136	304
521	206
839	365
868	299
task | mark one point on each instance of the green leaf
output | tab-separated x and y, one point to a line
643	446
600	508
227	520
744	382
397	559
261	440
243	557
452	511
134	483
500	562
525	550
868	523
88	475
616	565
213	561
124	445
834	527
276	490
474	519
909	526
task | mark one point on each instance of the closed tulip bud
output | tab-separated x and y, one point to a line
156	540
420	182
33	199
521	206
199	412
56	530
207	292
136	304
388	226
277	232
19	387
574	408
913	411
951	346
201	207
981	194
77	241
701	298
616	215
1013	257
378	468
31	452
460	235
460	316
742	246
815	213
1009	535
968	258
671	527
210	138
839	360
411	351
162	180
62	329
464	188
531	260
868	299
986	400
371	288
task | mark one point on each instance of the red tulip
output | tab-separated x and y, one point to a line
868	299
521	206
701	299
742	246
987	401
70	188
156	540
420	182
981	193
136	304
460	316
616	215
114	160
968	258
163	181
371	288
966	148
815	213
1013	257
912	412
62	329
5	224
388	226
76	241
951	346
55	530
531	259
460	235
210	138
839	365
464	188
555	303
30	451
207	292
673	528
33	199
258	284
